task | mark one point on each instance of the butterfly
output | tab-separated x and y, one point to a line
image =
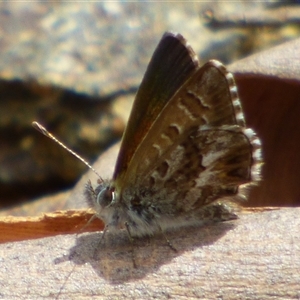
186	153
185	150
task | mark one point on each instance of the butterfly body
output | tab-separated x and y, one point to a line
186	151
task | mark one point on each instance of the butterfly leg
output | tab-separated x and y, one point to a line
87	224
218	212
131	242
100	241
167	240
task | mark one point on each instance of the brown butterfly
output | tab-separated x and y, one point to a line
186	152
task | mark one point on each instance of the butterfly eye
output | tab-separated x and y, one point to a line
104	197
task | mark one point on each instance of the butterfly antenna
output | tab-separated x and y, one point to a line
45	132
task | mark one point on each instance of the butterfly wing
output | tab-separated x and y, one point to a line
171	65
196	148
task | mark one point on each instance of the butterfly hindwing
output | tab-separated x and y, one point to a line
203	102
196	151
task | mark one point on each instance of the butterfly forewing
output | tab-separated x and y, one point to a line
171	65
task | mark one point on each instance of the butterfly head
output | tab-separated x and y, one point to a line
103	199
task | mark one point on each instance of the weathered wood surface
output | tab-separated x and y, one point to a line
255	257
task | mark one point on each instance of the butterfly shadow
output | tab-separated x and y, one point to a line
117	259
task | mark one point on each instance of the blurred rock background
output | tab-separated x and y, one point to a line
75	67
